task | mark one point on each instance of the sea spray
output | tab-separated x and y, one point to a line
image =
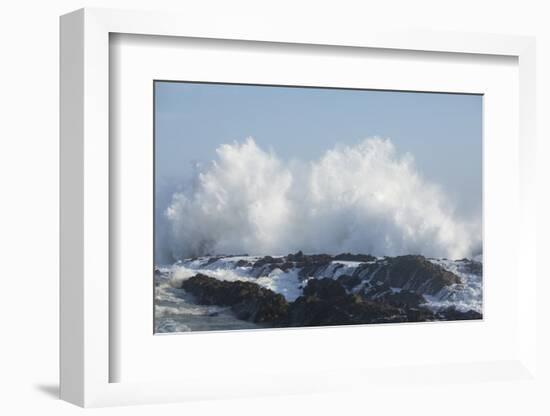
365	198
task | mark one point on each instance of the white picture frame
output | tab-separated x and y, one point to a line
86	355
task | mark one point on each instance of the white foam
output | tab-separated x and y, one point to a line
285	283
171	325
365	199
279	281
465	296
186	309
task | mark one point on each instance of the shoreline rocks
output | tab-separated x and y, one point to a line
413	273
324	302
249	301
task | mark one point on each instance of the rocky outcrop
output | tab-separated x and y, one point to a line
248	301
267	264
471	266
349	282
355	257
243	263
336	289
414	273
326	302
405	299
453	314
310	265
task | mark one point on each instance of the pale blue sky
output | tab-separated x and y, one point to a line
442	131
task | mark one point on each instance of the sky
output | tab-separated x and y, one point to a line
442	131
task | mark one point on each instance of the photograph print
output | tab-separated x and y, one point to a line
289	206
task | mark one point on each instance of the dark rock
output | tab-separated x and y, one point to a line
267	264
211	260
472	267
326	289
326	302
453	314
247	300
268	260
318	258
299	256
354	257
312	266
349	282
383	292
419	315
243	263
405	298
415	273
366	269
378	290
311	270
312	311
333	269
348	310
286	266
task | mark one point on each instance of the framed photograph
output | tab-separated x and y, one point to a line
284	211
375	233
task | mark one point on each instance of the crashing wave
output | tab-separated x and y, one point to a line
363	198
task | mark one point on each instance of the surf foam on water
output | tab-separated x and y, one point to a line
177	312
465	296
279	281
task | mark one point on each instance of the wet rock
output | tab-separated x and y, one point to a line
266	265
299	256
311	266
326	289
286	266
326	302
405	298
365	270
453	314
383	292
243	263
472	266
378	290
331	271
419	315
415	273
247	300
268	260
318	258
349	282
354	257
211	260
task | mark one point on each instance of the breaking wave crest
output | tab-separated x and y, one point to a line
365	198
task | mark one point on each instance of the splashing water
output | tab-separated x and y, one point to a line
364	198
